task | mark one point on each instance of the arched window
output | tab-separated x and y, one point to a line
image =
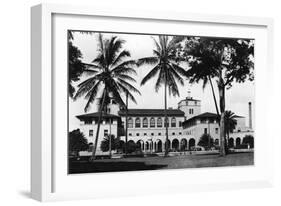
130	123
173	122
145	122
137	123
159	122
166	122
152	122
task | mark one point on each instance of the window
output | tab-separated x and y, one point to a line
179	133
205	131
173	122
173	133
190	111
152	134
130	123
138	134
130	134
137	124
144	134
145	122
159	134
91	133
105	132
217	130
167	122
159	122
152	122
88	121
180	123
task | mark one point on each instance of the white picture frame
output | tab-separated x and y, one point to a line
49	182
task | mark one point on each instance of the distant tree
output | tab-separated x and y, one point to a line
249	139
105	143
132	146
230	123
223	59
77	141
206	141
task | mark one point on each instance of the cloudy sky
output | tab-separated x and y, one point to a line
237	97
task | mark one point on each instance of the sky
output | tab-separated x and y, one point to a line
140	46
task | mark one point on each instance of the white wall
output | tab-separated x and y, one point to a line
15	95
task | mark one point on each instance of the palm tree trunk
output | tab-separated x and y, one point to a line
126	135
222	117
165	120
214	96
110	138
98	130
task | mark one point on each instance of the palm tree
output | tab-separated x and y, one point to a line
226	60
166	69
110	76
202	70
230	123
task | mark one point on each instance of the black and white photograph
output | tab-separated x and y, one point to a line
156	101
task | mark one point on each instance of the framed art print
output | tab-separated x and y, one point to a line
137	102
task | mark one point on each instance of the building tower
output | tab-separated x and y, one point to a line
191	107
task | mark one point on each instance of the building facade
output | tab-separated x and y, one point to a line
146	127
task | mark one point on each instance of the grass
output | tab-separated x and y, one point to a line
153	163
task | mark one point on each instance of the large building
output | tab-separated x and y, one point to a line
146	127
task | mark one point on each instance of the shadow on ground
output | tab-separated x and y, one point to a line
88	167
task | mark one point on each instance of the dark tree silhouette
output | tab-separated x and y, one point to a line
77	141
230	123
226	61
75	64
206	141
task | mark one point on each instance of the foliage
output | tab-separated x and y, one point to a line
165	64
165	68
77	141
75	65
131	146
206	141
105	143
230	122
225	60
109	73
249	140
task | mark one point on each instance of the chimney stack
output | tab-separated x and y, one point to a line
250	115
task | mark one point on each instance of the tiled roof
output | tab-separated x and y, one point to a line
152	112
95	115
202	116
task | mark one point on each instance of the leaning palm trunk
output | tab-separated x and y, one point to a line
214	96
126	135
165	121
98	129
222	119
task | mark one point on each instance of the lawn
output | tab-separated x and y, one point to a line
153	163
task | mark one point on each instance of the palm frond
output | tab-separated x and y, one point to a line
123	54
129	86
151	74
148	60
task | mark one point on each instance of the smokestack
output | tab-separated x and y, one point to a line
250	115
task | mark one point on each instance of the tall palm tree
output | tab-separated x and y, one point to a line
167	70
230	123
201	71
110	76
